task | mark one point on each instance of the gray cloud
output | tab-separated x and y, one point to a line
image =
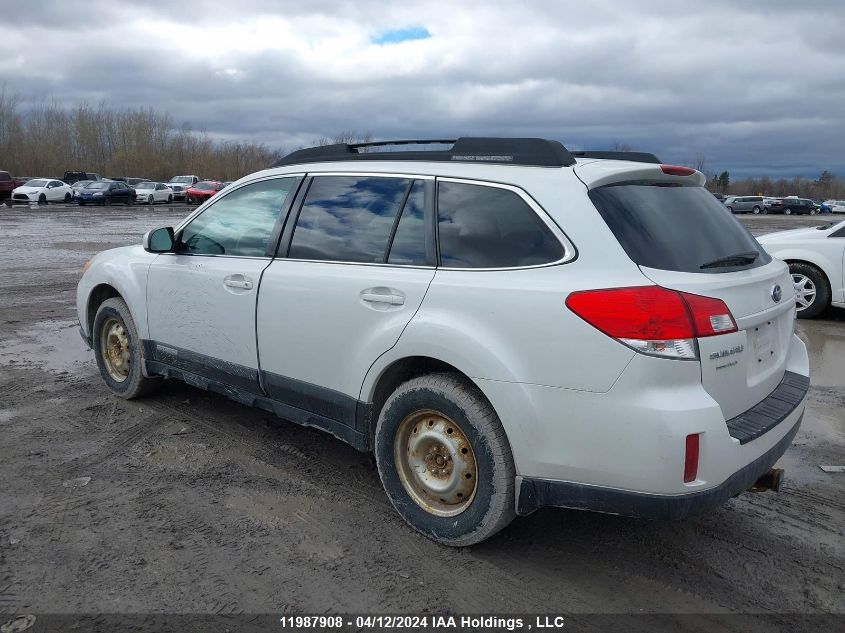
754	87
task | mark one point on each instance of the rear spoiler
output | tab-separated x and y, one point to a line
635	157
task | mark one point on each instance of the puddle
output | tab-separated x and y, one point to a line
54	346
825	341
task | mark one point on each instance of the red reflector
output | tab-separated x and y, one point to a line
677	170
651	313
691	459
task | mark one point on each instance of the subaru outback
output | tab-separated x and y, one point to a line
504	323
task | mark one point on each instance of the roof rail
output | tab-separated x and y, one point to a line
535	152
636	157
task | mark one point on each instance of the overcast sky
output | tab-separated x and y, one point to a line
757	87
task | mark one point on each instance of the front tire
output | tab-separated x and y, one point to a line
787	211
170	199
151	200
118	351
67	198
731	209
42	199
444	460
812	290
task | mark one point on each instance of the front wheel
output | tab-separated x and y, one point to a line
169	198
787	211
731	209
107	201
444	460
118	350
42	199
150	200
812	290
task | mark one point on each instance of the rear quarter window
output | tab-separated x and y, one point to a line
481	226
674	228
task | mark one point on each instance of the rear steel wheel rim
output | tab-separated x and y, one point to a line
115	350
435	462
805	291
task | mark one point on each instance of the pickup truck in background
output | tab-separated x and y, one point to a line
7	184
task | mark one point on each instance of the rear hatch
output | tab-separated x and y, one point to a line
683	239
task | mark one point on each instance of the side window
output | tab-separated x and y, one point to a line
347	218
409	241
240	223
489	227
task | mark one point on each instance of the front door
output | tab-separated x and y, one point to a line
201	299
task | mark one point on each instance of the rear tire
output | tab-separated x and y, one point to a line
787	211
67	197
118	350
756	210
812	289
434	436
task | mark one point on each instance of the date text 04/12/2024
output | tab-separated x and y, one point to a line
421	622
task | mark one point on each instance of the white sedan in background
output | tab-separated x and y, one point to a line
152	192
816	258
42	191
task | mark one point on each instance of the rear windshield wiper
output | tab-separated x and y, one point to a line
737	259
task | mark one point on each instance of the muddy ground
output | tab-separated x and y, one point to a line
188	502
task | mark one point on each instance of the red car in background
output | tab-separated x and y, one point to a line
202	191
7	184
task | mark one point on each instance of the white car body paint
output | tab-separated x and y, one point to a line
577	406
159	195
823	248
54	193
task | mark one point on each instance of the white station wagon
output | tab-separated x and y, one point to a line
505	324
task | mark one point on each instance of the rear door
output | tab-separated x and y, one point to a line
354	266
201	299
683	240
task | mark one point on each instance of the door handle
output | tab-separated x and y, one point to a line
243	284
376	297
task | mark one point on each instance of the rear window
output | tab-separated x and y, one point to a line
682	229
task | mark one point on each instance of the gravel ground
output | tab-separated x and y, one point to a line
187	502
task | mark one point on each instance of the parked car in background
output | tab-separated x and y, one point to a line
202	191
836	206
42	191
816	259
8	184
71	177
180	185
745	204
148	192
106	193
130	180
793	206
658	373
720	197
81	184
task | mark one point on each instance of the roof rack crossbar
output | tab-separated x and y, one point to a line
532	152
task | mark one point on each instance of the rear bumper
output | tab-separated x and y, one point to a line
534	493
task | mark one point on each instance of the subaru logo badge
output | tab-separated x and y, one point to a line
777	293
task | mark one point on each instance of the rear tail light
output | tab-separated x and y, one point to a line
691	458
677	170
653	320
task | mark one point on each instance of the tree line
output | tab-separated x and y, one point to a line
825	187
47	139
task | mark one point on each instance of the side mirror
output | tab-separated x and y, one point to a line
159	240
